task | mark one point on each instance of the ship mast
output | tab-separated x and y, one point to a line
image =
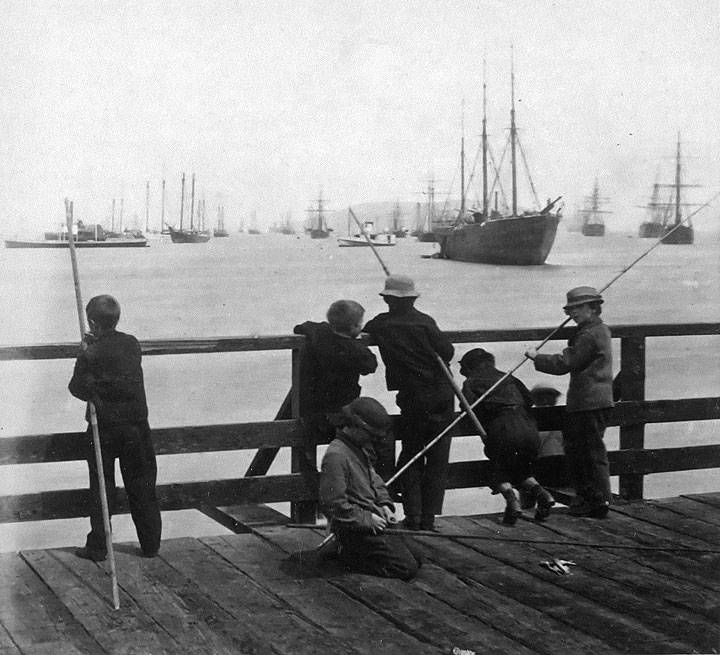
513	132
162	207
192	201
484	146
147	206
462	161
182	201
677	183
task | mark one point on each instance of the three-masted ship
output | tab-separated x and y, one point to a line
593	224
318	227
486	236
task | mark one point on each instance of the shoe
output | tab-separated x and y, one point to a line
545	501
92	555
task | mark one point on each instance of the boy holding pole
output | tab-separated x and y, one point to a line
109	373
409	343
588	359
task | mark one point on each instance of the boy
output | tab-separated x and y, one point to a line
333	360
588	359
512	440
409	343
109	373
354	497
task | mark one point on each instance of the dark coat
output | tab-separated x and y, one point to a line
409	342
588	359
110	374
330	368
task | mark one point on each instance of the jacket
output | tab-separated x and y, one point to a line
109	373
588	359
409	342
511	393
350	490
330	367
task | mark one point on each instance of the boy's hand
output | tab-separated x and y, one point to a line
388	514
378	523
531	353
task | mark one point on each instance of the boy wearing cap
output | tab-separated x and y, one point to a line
355	499
588	359
511	440
409	343
332	361
109	373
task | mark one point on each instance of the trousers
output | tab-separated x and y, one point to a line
378	554
131	444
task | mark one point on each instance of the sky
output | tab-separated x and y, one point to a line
270	104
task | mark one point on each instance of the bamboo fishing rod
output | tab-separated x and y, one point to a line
460	416
399	532
92	411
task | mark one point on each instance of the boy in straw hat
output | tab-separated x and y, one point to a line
588	359
355	499
409	343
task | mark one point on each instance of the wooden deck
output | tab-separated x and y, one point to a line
243	593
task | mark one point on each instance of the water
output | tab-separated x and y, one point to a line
265	284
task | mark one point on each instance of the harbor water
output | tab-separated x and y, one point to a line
265	284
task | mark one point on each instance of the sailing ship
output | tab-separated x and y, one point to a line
424	231
666	216
83	236
193	235
488	237
593	224
220	230
397	228
318	227
368	237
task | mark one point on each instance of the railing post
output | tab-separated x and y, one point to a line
300	511
632	387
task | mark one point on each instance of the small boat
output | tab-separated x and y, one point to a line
318	227
367	238
593	224
84	236
193	235
486	236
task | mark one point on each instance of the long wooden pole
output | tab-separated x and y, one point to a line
370	243
93	414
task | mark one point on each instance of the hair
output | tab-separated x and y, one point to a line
476	357
344	314
103	310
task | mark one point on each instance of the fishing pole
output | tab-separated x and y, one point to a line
92	411
430	444
399	532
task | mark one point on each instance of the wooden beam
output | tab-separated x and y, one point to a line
632	387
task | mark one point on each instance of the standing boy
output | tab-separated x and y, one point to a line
409	343
588	359
354	497
333	359
511	441
109	373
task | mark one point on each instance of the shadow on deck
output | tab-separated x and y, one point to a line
243	593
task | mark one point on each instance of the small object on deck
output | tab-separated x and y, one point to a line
462	651
558	566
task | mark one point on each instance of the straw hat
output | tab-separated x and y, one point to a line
581	296
400	286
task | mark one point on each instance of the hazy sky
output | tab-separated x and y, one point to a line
267	102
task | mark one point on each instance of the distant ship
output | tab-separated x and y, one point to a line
593	224
488	237
654	226
193	235
368	237
318	228
397	228
424	231
85	236
220	230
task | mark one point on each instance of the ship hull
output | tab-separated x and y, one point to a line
681	235
187	236
650	230
426	237
319	234
593	230
514	241
360	242
58	243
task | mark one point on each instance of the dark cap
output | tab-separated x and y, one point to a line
368	414
475	357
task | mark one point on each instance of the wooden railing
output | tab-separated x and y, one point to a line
631	462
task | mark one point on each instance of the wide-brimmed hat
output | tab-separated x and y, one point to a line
400	286
368	414
581	296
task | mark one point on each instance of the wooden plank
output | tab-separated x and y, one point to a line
659	515
85	591
315	598
243	518
262	614
413	611
32	618
690	507
264	457
642	571
634	628
708	499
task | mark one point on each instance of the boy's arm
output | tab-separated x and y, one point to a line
82	383
440	343
573	358
334	501
362	358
